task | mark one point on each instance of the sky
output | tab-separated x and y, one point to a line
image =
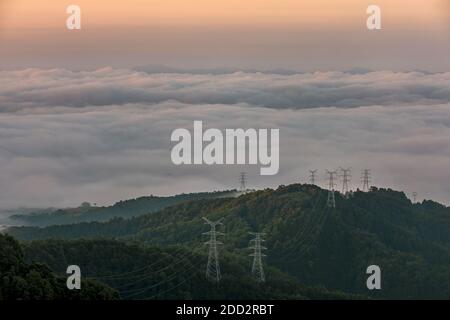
304	35
87	115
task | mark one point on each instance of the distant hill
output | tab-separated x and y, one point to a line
320	246
126	209
34	281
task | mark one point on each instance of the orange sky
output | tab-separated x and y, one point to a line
304	34
51	13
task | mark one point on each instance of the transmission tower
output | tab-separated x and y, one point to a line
346	177
331	176
365	177
257	266
312	176
243	181
415	194
213	267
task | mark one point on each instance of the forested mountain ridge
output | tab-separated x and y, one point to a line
125	209
306	239
175	272
34	281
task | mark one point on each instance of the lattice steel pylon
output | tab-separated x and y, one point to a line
312	176
243	182
331	175
257	266
346	177
365	177
415	194
213	266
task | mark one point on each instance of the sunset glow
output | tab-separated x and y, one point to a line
323	13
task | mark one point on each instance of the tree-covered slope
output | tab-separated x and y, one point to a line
143	272
126	209
316	244
34	281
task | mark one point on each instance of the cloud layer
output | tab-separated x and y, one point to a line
102	136
34	88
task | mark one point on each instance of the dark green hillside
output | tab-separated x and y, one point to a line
126	209
139	272
318	245
32	281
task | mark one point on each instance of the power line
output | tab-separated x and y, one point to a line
186	279
134	293
346	177
213	266
365	177
243	182
321	222
312	176
152	273
257	266
311	236
308	224
137	272
331	176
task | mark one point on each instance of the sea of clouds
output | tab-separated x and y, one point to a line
35	88
104	135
